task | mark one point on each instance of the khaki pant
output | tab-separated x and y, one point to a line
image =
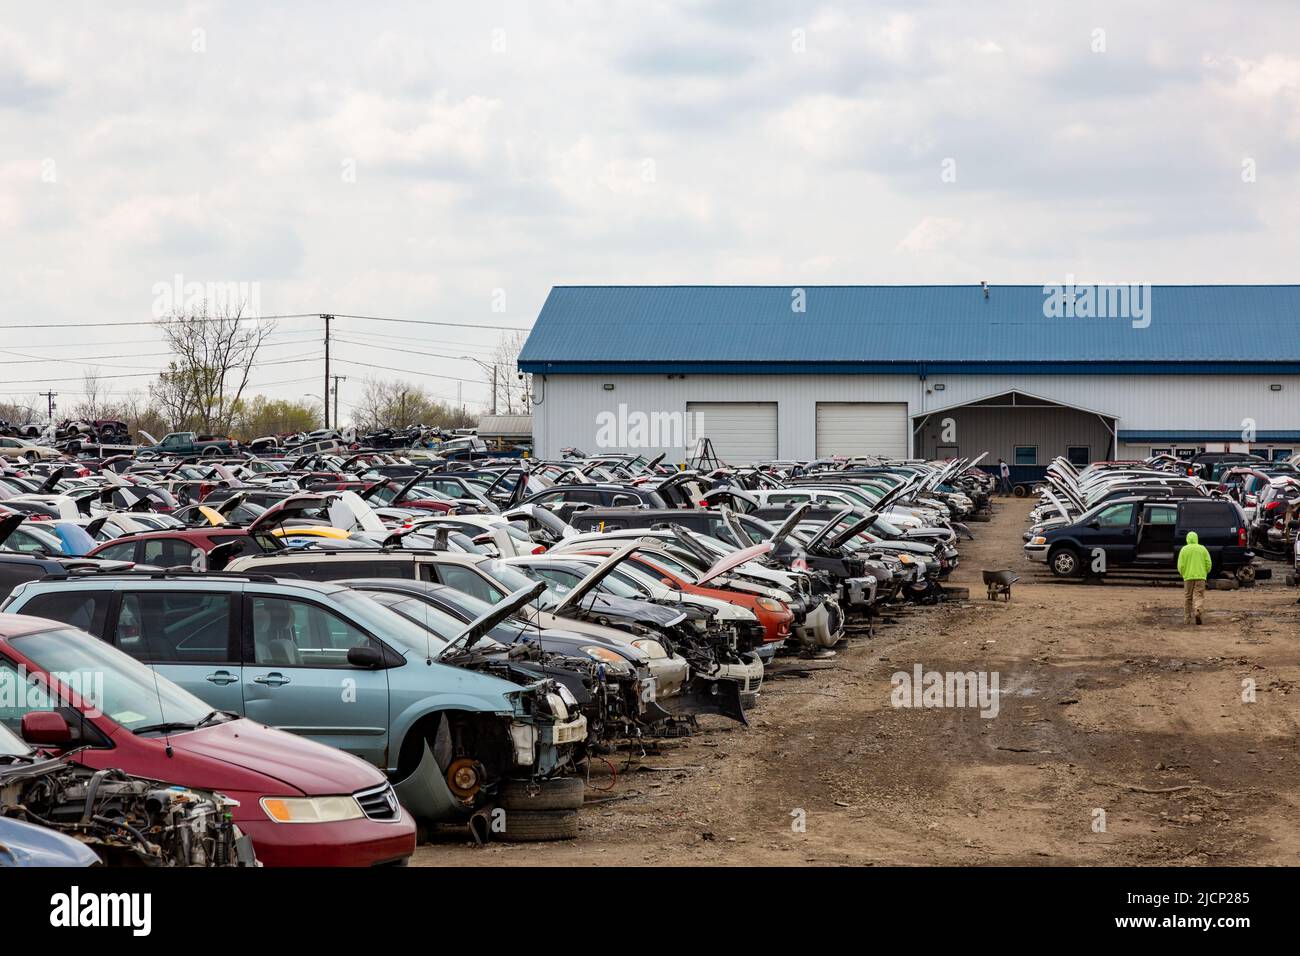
1193	600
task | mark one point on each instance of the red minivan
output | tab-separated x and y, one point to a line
302	803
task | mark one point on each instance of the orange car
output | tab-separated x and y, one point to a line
775	617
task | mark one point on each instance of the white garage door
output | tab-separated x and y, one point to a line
741	432
862	428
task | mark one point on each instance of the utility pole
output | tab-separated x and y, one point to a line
325	411
49	403
494	388
337	379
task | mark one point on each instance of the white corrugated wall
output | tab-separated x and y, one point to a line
574	408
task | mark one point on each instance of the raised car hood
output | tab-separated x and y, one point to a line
734	560
598	574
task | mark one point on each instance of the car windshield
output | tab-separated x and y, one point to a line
422	613
11	745
388	625
125	690
555	591
505	575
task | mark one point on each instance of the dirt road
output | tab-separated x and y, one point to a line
1121	737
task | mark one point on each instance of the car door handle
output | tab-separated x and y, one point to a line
272	679
221	677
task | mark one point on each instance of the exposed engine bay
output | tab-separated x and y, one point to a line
128	821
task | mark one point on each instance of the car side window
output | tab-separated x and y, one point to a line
622	500
786	499
119	552
463	579
1116	516
1158	514
288	633
168	552
175	627
84	609
19	694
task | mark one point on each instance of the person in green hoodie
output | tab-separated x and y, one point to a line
1194	566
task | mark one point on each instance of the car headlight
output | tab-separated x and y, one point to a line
557	707
905	558
566	695
650	647
311	809
605	655
1038	539
767	604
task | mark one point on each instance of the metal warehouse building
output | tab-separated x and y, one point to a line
770	372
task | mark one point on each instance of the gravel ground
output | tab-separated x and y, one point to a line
1110	710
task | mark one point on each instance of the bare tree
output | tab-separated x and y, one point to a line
215	353
92	408
510	394
396	404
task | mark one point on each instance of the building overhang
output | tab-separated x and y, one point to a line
919	369
1145	436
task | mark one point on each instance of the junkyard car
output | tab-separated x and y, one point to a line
330	664
301	803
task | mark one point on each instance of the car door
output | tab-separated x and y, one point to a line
188	635
1112	530
1155	543
297	676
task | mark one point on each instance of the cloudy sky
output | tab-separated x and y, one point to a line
450	162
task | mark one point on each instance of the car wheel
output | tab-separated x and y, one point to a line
1064	562
1019	491
562	793
1246	575
539	826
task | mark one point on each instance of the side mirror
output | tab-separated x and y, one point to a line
46	728
365	656
1094	525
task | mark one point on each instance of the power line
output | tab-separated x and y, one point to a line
402	371
452	325
268	318
155	322
393	348
71	378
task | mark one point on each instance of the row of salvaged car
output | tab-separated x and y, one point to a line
445	643
1137	514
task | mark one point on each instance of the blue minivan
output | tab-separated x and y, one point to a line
329	663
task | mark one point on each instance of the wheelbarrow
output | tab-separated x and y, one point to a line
999	582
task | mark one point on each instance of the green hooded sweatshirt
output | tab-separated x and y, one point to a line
1193	559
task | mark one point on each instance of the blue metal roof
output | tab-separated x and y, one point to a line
912	329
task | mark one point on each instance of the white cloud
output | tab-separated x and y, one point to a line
930	234
630	142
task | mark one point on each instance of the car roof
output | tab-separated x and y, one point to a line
16	625
168	580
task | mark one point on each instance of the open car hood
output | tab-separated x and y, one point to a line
499	612
852	531
598	574
734	560
788	525
828	528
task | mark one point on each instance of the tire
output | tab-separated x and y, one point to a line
1019	491
539	826
1065	563
1246	575
562	793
